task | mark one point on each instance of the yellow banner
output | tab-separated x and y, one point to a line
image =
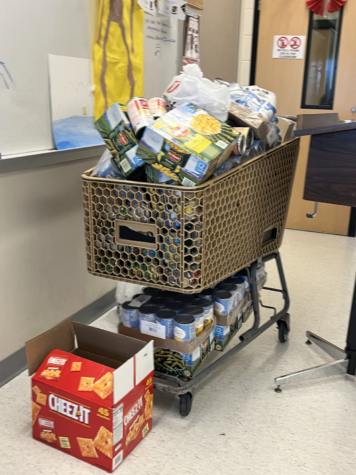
118	54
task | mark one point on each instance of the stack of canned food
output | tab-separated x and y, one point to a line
186	316
183	316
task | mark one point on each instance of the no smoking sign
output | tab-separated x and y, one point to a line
288	47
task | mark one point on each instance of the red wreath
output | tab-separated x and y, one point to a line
317	6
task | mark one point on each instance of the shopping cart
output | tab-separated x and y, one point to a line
188	239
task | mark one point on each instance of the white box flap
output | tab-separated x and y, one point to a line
144	362
124	379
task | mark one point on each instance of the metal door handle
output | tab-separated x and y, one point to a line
312	215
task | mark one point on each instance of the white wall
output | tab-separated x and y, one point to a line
43	275
245	42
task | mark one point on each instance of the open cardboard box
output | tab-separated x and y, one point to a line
188	355
92	392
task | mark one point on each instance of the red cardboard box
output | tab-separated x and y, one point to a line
92	400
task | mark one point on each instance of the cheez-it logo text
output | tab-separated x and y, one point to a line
69	409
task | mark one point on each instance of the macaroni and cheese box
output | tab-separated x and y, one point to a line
92	400
186	145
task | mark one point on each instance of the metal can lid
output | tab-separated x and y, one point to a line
207	292
187	299
228	287
184	319
222	295
194	310
170	294
136	295
157	300
166	314
146	309
203	303
175	305
128	306
152	291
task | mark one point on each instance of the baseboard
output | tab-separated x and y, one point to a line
16	363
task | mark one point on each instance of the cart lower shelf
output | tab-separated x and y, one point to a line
185	388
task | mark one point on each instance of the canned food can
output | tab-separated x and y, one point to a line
240	146
222	303
248	133
157	107
130	316
241	283
176	306
207	294
184	327
148	312
159	301
184	298
236	291
139	114
198	313
208	307
166	318
139	300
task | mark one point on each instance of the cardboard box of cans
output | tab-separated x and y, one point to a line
187	144
174	357
92	400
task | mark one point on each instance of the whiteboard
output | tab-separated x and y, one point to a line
161	41
30	30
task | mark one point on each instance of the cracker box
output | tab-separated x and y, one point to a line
175	357
187	144
92	400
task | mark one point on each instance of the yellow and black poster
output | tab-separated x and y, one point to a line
118	54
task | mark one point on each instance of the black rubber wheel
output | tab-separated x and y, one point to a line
282	331
185	404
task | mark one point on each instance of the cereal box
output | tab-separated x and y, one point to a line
187	144
93	401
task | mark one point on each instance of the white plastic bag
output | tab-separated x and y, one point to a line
124	293
191	86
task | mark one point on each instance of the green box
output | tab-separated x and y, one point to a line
116	130
187	144
156	176
225	333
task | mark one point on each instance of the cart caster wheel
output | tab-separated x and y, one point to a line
278	390
282	331
185	404
308	342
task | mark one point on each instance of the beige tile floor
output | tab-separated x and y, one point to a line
238	424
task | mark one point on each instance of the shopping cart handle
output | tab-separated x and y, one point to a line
312	215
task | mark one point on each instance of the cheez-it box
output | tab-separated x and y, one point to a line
93	399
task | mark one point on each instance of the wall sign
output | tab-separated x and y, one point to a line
288	47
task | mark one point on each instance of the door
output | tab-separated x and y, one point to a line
285	77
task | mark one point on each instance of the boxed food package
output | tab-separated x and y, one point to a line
243	117
286	128
187	144
228	326
116	130
177	358
224	334
92	400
